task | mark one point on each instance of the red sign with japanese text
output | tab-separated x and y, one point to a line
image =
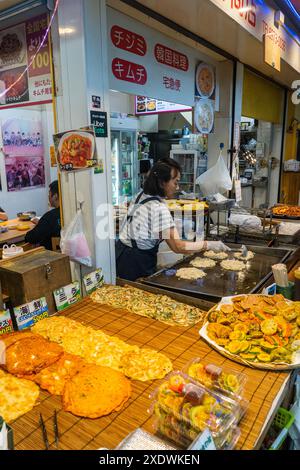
129	72
128	41
165	55
20	46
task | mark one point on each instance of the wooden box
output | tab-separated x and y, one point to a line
34	274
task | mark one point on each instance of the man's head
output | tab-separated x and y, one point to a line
54	194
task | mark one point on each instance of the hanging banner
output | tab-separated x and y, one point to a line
145	105
258	19
144	62
18	47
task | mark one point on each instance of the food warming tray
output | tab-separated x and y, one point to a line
219	282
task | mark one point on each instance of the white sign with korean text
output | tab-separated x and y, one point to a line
258	19
146	63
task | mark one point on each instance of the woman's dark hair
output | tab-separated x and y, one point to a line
160	173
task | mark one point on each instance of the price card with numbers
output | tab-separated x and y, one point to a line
28	314
6	325
93	281
67	296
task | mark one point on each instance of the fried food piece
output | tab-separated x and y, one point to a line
17	396
95	391
54	377
57	327
12	338
145	364
30	355
269	327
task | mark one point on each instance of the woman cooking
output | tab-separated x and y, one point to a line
149	222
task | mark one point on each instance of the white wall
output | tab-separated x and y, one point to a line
31	199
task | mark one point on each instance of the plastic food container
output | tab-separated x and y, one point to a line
10	252
183	408
221	379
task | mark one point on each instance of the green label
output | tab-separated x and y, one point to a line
67	296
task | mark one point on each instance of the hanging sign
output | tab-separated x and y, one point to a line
144	62
67	296
93	281
205	96
258	19
18	48
28	314
272	54
144	106
76	149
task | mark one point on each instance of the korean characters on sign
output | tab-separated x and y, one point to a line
142	58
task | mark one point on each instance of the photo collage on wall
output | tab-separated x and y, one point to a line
24	154
205	95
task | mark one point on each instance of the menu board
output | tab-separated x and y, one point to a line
145	105
28	314
76	149
24	72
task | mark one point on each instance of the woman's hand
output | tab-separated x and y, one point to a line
217	246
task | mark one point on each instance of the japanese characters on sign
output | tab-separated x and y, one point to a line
128	41
67	296
144	62
129	72
6	325
28	314
145	105
19	47
165	55
93	281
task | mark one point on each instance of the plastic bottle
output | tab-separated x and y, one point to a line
297	284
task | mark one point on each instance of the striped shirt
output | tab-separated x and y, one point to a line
150	224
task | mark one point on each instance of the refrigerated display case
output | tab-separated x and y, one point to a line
124	165
193	163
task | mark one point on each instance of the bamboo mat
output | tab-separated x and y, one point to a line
180	345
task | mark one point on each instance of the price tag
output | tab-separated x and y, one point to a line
203	442
67	296
28	314
6	325
93	281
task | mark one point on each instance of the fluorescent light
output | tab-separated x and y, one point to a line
67	30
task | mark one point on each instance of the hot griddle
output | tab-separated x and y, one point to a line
219	282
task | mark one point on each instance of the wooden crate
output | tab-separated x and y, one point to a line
34	274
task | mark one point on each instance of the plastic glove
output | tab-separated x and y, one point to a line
217	246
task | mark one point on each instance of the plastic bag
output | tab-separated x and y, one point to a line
73	241
216	179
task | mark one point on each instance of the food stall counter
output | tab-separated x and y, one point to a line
263	389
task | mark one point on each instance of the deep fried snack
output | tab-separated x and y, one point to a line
30	355
54	378
17	396
145	364
12	338
95	391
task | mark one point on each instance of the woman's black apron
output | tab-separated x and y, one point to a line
132	262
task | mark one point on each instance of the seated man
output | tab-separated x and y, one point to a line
49	225
3	215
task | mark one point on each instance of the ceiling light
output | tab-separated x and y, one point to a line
66	30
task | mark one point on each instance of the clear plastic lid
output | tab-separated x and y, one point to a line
180	402
221	379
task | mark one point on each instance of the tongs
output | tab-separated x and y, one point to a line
44	431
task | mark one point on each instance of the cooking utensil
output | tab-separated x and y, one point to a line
44	432
280	275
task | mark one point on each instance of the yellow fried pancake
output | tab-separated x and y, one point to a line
54	377
17	397
95	391
30	355
145	364
55	328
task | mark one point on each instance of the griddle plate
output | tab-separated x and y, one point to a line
219	282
